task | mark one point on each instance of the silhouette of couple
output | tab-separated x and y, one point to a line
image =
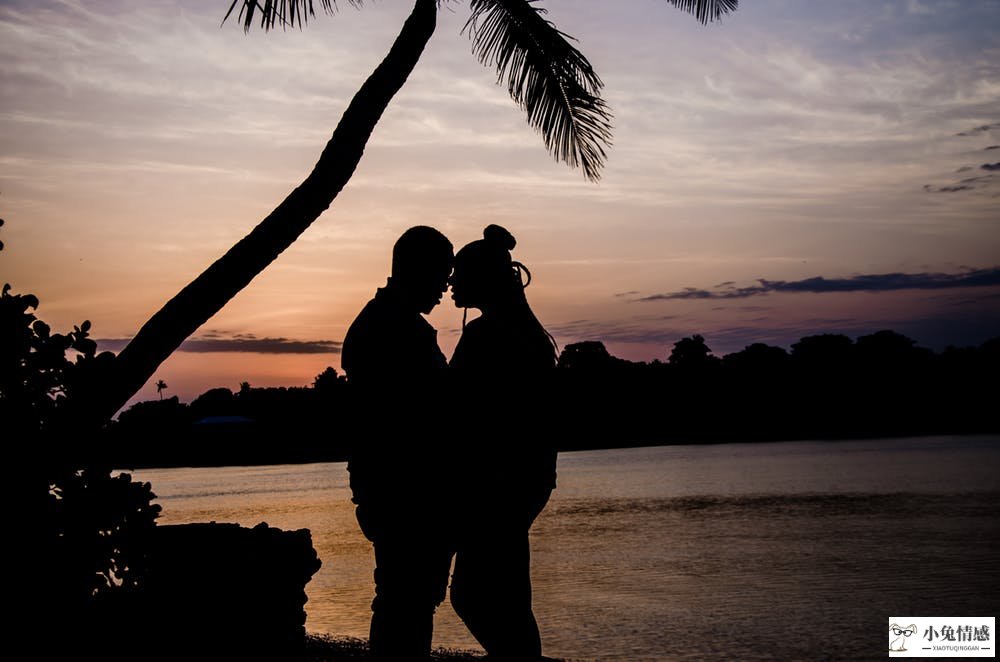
446	465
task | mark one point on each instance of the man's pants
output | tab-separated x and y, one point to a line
411	578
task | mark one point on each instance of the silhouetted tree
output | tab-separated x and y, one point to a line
989	364
886	344
692	354
757	359
160	387
890	350
328	380
168	416
545	74
589	355
214	402
827	350
889	355
78	533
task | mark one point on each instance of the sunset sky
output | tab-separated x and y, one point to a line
797	168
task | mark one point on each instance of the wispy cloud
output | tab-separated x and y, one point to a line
970	183
627	332
985	128
214	342
139	144
860	283
951	188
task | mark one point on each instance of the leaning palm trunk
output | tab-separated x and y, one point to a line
209	292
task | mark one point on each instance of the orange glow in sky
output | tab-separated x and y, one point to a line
790	141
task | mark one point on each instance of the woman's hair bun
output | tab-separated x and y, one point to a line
494	234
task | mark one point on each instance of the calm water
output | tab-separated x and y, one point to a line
784	551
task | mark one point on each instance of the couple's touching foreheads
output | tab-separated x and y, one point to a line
453	459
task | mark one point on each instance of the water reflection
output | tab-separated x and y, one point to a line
689	551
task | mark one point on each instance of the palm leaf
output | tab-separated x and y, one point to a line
706	10
282	12
547	76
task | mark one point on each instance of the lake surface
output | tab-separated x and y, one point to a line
793	550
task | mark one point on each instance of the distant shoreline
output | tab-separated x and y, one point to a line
338	458
828	387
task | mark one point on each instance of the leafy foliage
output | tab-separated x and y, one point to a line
706	10
328	381
548	77
99	525
36	377
93	524
691	353
281	12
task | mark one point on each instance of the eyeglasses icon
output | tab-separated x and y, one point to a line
898	631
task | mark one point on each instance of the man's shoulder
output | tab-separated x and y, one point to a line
385	337
381	305
382	314
362	320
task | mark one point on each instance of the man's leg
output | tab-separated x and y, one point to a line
411	577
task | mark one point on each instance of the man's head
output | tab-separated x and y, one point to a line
422	259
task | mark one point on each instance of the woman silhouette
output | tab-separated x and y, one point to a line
505	473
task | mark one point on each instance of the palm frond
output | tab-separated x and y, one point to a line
706	10
286	13
547	76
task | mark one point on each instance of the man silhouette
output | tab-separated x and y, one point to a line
393	362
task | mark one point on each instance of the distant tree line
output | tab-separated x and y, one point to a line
827	387
249	426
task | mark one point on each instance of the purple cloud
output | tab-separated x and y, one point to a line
861	283
243	342
980	129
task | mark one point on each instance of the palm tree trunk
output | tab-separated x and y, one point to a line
209	292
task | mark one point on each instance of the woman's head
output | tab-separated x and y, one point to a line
485	276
